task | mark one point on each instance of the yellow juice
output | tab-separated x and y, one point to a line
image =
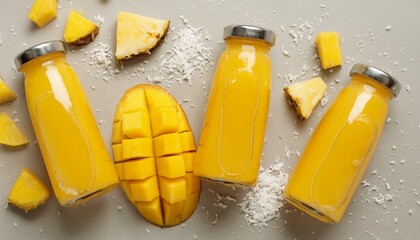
74	153
233	132
339	150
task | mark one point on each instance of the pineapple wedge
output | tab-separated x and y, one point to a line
29	191
329	50
138	34
6	94
79	30
43	12
304	96
10	134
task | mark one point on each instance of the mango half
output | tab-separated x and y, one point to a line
153	149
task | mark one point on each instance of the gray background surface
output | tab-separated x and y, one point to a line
365	38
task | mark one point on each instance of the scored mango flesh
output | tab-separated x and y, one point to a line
153	149
29	191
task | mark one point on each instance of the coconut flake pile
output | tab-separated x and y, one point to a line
102	58
263	202
188	55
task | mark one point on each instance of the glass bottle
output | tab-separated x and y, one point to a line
233	132
78	163
339	150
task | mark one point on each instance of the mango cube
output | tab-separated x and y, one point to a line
144	190
29	191
79	30
6	94
154	152
137	148
10	134
190	204
171	166
167	144
136	125
173	190
329	50
152	211
172	212
43	12
165	120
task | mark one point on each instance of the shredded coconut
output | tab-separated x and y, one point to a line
263	202
189	54
101	56
100	20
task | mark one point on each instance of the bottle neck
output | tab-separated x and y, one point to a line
239	43
372	86
42	61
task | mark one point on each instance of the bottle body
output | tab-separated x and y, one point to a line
339	150
76	158
233	131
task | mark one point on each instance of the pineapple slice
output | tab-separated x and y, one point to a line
304	96
329	51
10	134
6	94
138	34
79	30
43	12
29	191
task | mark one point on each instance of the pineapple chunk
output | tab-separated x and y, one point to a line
138	34
79	30
29	191
43	12
6	94
153	150
10	134
329	51
304	96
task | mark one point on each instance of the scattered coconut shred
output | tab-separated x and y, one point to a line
188	55
264	201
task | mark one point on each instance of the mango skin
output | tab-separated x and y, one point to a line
153	149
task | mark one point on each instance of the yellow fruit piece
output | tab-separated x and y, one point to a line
29	191
154	151
152	211
79	30
136	124
10	134
43	12
172	213
329	50
304	96
6	94
138	34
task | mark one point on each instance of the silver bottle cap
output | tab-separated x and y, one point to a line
248	31
39	50
378	75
